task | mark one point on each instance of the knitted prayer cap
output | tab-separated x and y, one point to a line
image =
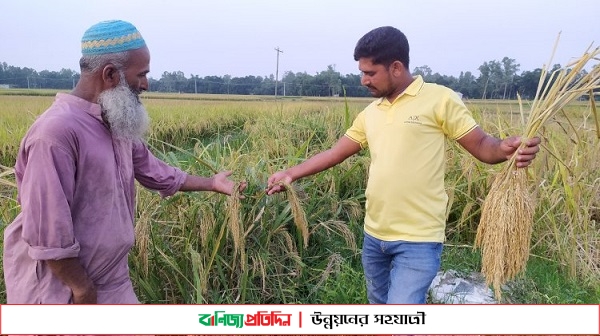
111	37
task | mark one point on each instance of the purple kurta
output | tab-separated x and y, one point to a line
77	195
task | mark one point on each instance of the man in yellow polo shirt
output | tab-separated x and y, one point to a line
405	131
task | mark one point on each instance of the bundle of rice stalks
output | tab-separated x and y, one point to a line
504	231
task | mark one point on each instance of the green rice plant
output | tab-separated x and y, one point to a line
273	258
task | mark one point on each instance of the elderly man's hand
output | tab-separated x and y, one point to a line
222	184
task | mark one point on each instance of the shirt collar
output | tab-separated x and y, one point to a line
90	108
411	90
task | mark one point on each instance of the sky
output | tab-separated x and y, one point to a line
239	37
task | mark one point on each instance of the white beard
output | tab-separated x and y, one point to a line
123	111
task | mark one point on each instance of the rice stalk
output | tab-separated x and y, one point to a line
142	238
334	263
505	227
4	172
143	227
297	212
341	229
595	112
259	266
235	225
206	226
200	275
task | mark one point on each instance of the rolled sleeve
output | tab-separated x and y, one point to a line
46	194
44	253
178	179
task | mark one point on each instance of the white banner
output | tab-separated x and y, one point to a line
300	319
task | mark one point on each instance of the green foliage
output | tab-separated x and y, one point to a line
345	287
546	282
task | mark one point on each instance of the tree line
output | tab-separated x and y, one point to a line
496	80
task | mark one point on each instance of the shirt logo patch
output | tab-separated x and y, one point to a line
413	119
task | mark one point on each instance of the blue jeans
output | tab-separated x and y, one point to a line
399	271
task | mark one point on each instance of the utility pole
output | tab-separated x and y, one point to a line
277	70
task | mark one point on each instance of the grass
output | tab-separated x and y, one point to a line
204	248
544	281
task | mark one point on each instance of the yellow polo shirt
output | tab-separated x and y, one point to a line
406	197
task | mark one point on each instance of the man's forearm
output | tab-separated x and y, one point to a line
74	275
197	183
315	164
491	152
342	150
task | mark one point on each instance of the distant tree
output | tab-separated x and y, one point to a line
173	82
18	77
352	84
245	85
449	81
509	71
497	78
213	84
334	81
306	84
527	83
424	71
467	85
491	75
227	81
289	84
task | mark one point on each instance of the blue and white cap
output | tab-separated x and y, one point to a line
111	37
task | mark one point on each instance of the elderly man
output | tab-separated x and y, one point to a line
75	171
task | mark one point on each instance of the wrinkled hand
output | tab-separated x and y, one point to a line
222	184
275	182
524	155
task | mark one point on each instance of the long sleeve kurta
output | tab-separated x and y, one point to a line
76	188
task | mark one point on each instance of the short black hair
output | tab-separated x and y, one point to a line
384	45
